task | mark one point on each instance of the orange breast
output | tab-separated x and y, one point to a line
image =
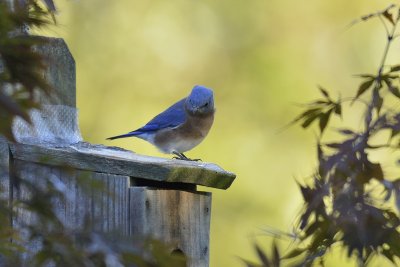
186	136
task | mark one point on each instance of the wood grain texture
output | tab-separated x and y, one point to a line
20	192
4	169
179	218
4	177
103	159
95	199
56	121
110	204
60	72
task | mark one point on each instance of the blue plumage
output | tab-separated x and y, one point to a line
182	126
172	117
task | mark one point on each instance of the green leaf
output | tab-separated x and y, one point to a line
261	255
319	102
307	122
324	92
394	90
395	68
388	254
324	119
310	112
364	87
366	76
393	242
388	16
312	228
294	253
338	109
376	171
276	259
346	131
249	263
368	16
389	77
334	145
377	100
376	146
307	113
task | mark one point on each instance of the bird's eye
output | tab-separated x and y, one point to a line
206	105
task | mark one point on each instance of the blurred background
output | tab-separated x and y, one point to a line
262	58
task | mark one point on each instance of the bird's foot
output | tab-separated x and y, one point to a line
187	159
182	156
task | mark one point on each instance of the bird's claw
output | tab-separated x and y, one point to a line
182	156
188	159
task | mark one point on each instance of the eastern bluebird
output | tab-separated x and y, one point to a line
182	126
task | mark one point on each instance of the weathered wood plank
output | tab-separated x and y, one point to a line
4	177
23	217
179	218
110	204
4	169
59	73
56	121
108	160
95	198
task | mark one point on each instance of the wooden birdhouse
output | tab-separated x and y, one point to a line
143	196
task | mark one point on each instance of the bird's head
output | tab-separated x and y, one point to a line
200	101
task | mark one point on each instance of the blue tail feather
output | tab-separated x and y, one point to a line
134	133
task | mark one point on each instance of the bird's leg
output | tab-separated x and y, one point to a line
182	156
186	158
178	155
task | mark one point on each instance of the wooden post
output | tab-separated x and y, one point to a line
104	207
4	169
154	197
57	121
60	72
180	218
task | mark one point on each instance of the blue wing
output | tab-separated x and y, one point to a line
171	117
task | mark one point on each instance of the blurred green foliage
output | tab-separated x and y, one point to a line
134	58
20	66
349	202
